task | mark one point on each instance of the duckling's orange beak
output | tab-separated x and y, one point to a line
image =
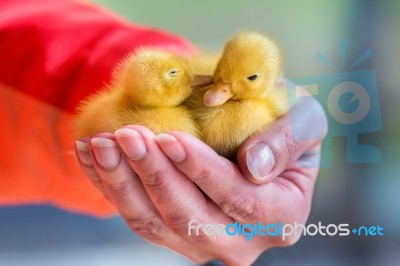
218	95
200	81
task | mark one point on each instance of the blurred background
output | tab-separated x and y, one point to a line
358	194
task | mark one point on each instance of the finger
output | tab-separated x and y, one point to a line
265	155
127	193
223	182
85	159
86	164
178	200
218	177
285	200
130	198
171	199
176	197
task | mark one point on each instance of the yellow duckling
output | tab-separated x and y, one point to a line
147	89
204	63
244	98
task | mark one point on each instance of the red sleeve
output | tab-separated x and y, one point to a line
52	55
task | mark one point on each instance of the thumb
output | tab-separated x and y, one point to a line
267	154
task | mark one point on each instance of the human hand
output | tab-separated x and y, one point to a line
160	183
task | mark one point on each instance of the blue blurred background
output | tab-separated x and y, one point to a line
358	194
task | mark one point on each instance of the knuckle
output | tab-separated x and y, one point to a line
97	183
290	145
177	222
202	176
149	228
203	239
244	208
116	187
196	233
156	180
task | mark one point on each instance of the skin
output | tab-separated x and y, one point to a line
159	183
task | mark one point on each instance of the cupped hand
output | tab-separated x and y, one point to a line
161	184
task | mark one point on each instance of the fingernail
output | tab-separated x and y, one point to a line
171	147
82	149
131	143
106	152
260	160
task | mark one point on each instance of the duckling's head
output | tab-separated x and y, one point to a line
155	78
250	64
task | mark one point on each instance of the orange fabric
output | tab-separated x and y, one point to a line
52	55
38	163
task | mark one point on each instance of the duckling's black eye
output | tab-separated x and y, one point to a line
252	77
173	73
